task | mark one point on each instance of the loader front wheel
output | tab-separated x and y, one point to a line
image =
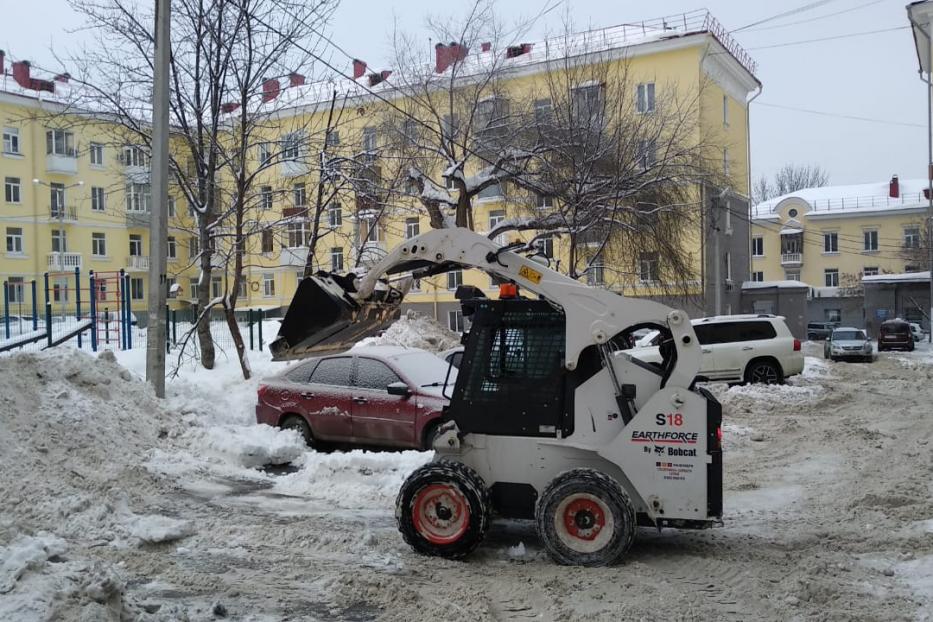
442	509
585	518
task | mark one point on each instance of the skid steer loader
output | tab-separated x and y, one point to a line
548	420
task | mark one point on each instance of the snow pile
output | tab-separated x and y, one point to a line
815	369
761	398
247	446
414	330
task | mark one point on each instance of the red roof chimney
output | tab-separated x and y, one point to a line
295	79
447	55
486	46
21	73
270	89
63	77
894	188
359	68
517	50
229	107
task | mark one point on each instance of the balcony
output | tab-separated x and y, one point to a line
61	164
137	174
64	262
371	252
137	263
791	259
137	219
295	257
64	213
293	168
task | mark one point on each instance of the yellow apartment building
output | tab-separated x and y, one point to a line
89	205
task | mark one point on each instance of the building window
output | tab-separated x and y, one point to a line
725	161
60	290
12	190
450	126
192	288
911	237
136	245
59	142
299	195
831	277
647	154
596	273
832	315
138	198
170	287
644	101
171	247
546	244
16	288
454	279
910	268
241	288
171	207
371	229
217	287
194	247
265	197
543	201
332	138
369	139
264	153
544	111
336	260
792	275
99	244
450	182
135	156
758	277
335	215
728	265
455	321
830	242
648	267
298	234
96	152
14	240
493	191
266	241
268	285
97	199
136	288
758	246
869	271
496	217
291	146
57	200
587	103
725	111
11	140
871	240
59	241
412	227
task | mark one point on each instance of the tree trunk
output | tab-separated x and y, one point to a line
205	340
230	316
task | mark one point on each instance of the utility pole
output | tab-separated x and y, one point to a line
158	225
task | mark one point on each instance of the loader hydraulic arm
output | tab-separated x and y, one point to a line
593	315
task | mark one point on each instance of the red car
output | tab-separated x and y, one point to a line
377	395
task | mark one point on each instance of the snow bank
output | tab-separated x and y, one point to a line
760	398
414	330
247	446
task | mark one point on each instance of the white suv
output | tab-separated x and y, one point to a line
741	348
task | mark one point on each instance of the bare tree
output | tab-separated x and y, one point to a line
227	56
790	178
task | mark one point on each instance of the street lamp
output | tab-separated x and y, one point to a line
61	218
920	15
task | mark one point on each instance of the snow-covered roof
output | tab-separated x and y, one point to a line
776	284
851	198
904	277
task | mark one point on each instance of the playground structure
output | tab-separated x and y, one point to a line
108	320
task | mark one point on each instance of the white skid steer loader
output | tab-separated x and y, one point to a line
548	420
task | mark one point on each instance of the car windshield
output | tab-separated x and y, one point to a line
849	335
424	368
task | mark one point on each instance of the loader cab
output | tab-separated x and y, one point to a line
512	380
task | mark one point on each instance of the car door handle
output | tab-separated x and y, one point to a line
705	350
307	394
360	400
746	348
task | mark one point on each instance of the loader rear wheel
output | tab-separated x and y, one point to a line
585	518
442	509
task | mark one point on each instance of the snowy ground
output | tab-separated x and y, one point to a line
118	507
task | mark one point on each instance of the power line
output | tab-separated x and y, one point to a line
840	115
800	9
816	18
833	38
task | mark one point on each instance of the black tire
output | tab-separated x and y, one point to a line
429	434
764	372
301	425
910	348
442	509
575	513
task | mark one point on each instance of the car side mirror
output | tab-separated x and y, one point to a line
399	388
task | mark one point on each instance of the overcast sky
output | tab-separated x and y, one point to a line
872	76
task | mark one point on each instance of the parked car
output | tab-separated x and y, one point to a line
895	334
741	348
375	395
818	331
848	343
917	331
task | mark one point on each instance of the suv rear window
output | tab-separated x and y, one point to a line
730	332
895	328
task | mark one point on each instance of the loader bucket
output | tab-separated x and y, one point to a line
324	319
